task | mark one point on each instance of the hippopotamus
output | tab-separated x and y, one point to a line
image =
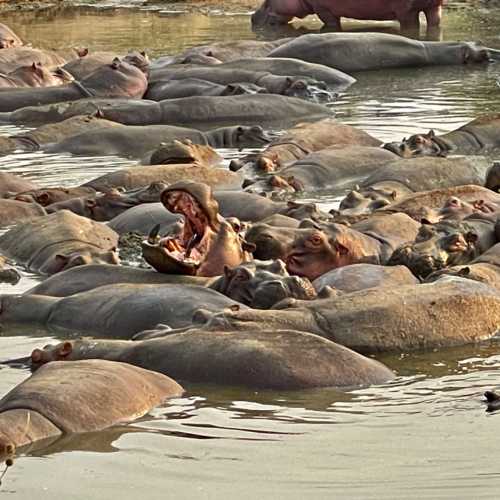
82	278
477	136
36	139
335	79
446	243
52	243
355	277
281	360
206	243
84	396
139	176
12	183
406	12
12	58
48	196
351	52
304	139
8	39
330	167
7	273
198	112
118	310
261	284
14	211
455	202
34	75
185	151
492	400
189	87
136	141
119	79
314	250
485	269
400	319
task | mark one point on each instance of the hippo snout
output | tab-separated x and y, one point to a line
421	265
398	148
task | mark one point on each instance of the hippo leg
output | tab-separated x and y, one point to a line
409	21
433	16
329	20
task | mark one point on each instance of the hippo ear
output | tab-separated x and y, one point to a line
143	53
82	52
99	114
43	198
64	350
248	247
36	356
228	271
33	66
431	134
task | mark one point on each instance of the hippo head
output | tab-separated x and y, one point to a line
447	243
51	352
419	145
37	75
266	16
260	284
270	242
366	201
456	209
139	60
301	211
62	262
249	137
184	252
473	52
177	152
306	88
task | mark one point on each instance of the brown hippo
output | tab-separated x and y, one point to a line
14	211
304	139
7	273
281	360
206	243
198	112
23	56
371	51
446	243
48	196
136	141
119	310
477	136
34	75
84	396
261	284
12	183
83	278
406	12
356	277
404	318
8	39
52	243
144	175
118	79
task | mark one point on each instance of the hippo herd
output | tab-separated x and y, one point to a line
234	279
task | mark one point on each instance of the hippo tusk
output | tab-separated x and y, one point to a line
153	234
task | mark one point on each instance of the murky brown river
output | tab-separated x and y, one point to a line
425	435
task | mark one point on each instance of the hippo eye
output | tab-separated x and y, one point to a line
315	239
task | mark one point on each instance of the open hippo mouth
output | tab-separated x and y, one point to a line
184	252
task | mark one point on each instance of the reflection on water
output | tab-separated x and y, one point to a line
424	435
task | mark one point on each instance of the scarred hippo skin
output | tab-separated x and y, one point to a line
119	79
397	319
11	183
485	269
139	176
357	277
55	242
369	51
83	396
477	136
447	243
205	244
205	112
261	284
259	359
113	311
330	11
14	211
288	66
34	75
332	167
83	278
304	139
136	141
8	39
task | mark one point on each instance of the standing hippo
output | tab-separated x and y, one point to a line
282	360
118	79
206	244
369	51
55	242
34	75
8	39
85	396
330	11
477	136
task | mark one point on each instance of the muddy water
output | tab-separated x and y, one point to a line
425	435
